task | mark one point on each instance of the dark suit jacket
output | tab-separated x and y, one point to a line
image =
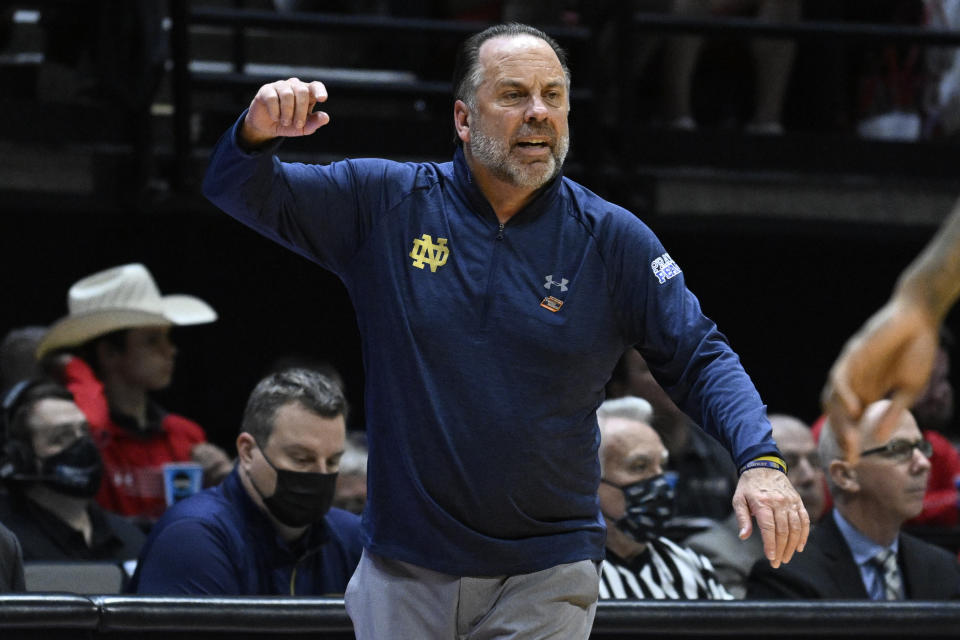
11	562
826	570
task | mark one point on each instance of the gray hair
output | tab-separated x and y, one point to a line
468	72
354	459
781	422
315	391
627	407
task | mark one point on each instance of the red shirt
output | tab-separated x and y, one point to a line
133	459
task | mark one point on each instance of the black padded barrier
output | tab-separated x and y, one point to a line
55	616
202	615
34	616
47	611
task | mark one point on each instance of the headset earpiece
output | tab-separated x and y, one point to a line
16	458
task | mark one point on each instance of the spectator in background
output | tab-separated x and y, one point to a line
773	60
52	470
351	492
268	529
858	550
933	411
18	356
731	557
11	562
637	502
942	94
116	341
111	55
933	408
703	475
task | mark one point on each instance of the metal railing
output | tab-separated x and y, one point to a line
210	617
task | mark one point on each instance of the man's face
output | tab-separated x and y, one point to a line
632	452
55	424
301	441
803	465
148	359
518	130
890	486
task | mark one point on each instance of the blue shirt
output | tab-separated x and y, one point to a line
864	550
218	542
486	347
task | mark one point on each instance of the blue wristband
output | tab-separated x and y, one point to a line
766	462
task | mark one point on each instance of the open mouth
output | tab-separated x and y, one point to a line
528	144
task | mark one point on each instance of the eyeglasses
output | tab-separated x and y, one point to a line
901	450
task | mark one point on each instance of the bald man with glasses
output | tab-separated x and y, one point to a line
858	550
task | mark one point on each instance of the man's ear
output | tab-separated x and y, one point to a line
245	447
461	120
844	476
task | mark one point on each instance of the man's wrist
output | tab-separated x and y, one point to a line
250	144
764	462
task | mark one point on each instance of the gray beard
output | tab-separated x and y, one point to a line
494	154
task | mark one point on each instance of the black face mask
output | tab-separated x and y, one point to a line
649	506
75	471
301	497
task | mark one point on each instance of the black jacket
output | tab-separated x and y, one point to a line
826	570
44	536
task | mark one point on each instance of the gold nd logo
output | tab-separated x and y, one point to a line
424	251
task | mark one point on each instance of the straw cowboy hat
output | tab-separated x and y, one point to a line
123	297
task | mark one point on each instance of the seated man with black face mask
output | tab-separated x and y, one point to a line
636	502
268	528
52	470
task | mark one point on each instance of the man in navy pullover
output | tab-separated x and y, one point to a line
493	297
268	528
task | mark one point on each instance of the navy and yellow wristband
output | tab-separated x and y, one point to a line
767	462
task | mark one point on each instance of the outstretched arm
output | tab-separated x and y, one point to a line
892	354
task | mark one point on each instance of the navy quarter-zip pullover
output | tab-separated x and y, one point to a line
487	347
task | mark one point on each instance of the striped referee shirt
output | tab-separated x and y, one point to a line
664	570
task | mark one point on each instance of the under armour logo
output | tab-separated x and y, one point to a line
425	252
551	282
664	268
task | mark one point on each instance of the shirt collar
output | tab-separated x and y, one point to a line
463	177
102	541
863	548
261	526
155	416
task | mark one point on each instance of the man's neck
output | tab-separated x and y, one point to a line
505	198
875	525
71	509
622	544
126	399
